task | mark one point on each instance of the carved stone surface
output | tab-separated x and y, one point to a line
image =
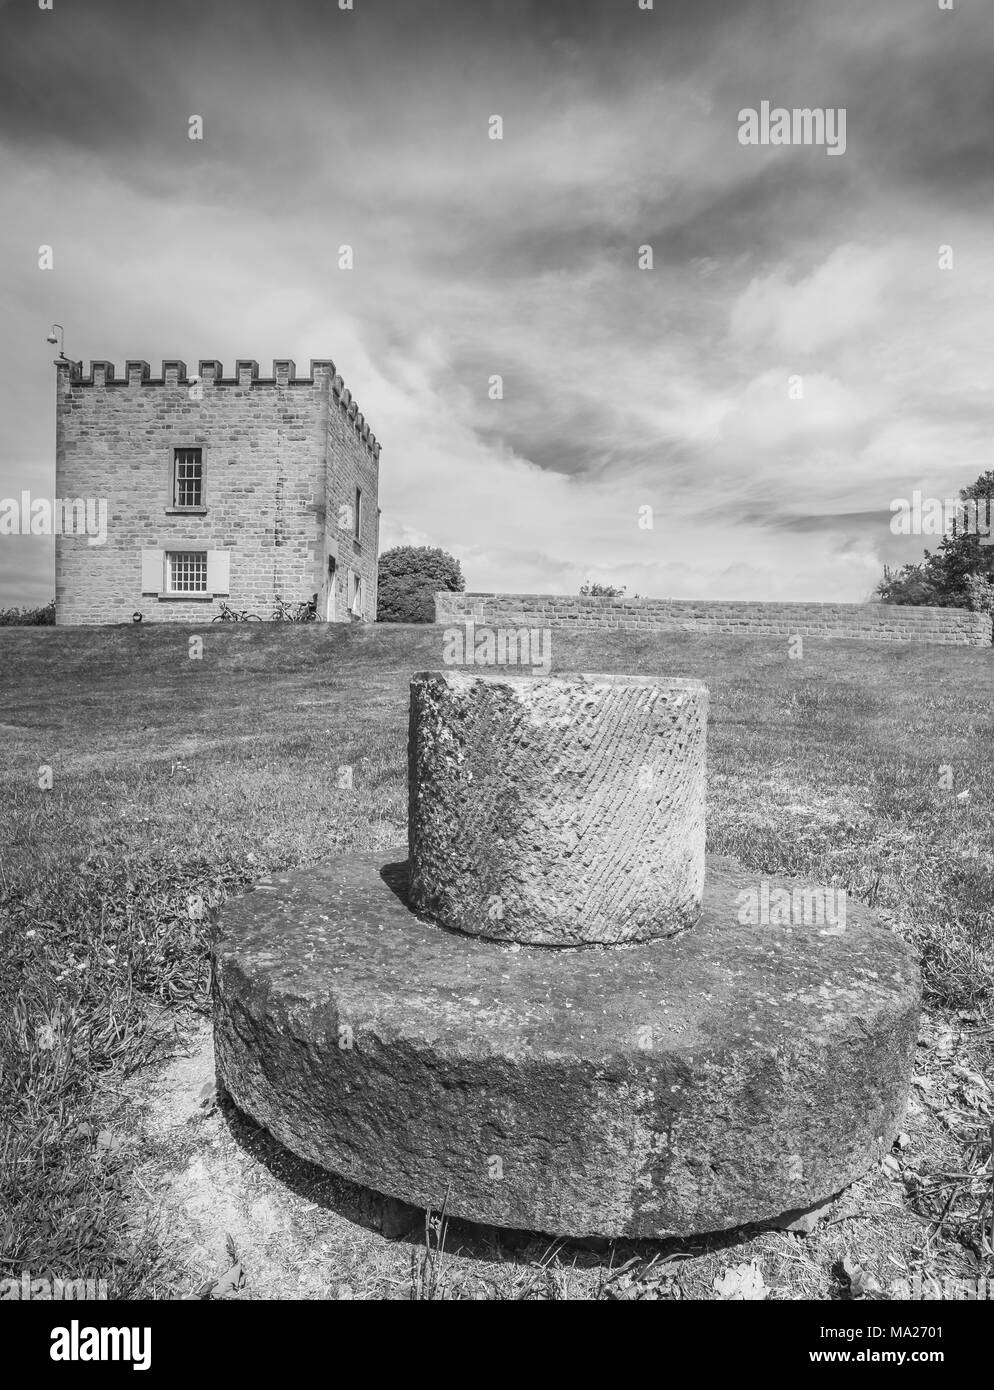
557	811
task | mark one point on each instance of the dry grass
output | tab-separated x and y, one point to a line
177	782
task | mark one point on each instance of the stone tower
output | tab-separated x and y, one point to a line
245	489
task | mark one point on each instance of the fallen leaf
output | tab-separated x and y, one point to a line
745	1282
231	1280
861	1284
973	1077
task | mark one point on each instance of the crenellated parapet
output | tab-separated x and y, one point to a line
210	373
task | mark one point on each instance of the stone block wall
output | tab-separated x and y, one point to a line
873	621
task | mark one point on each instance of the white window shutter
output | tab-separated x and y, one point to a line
153	573
218	571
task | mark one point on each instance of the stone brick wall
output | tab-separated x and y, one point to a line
873	621
282	455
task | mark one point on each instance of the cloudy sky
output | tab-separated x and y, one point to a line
624	388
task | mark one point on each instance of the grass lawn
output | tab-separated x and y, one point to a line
176	782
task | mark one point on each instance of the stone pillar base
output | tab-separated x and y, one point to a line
720	1077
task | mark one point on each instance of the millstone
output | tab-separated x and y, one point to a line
721	1076
557	811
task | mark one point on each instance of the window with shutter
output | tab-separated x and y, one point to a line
186	571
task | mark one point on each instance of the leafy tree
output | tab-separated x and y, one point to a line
913	585
409	578
960	574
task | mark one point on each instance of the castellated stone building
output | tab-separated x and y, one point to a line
241	489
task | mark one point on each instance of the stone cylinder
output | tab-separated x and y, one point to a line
560	811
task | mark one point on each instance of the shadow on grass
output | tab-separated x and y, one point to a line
398	1221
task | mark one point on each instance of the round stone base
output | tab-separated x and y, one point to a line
692	1084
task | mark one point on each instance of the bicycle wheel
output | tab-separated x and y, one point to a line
251	618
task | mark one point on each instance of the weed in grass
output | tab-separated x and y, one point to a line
428	1278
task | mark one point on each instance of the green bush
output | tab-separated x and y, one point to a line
29	617
409	578
597	590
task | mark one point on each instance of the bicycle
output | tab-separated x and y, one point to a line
306	611
235	615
